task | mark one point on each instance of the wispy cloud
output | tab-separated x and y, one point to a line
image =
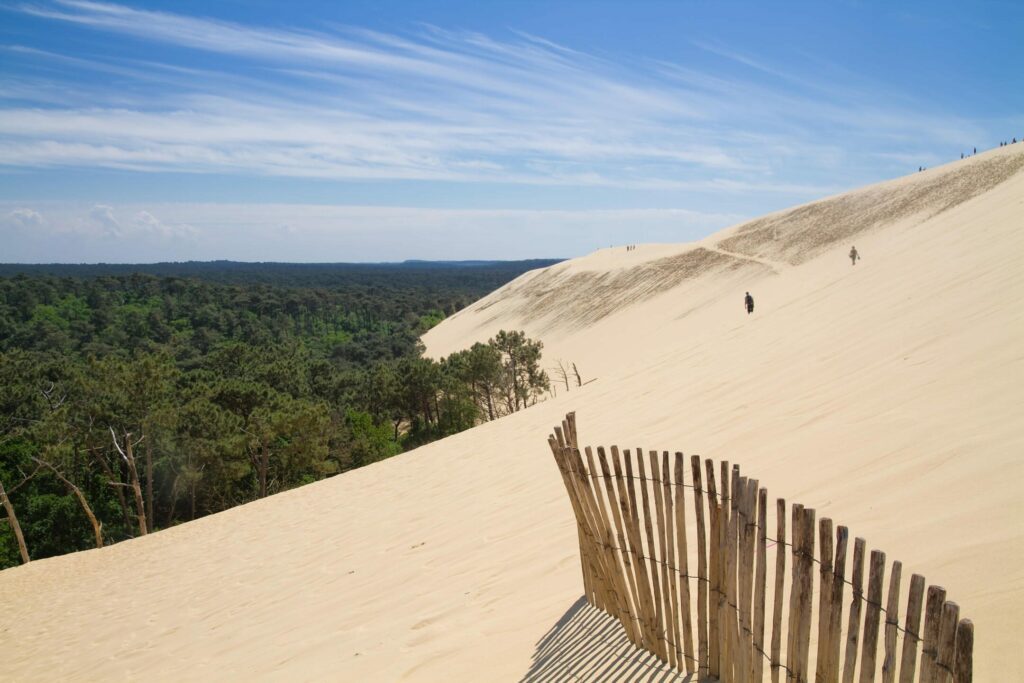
349	103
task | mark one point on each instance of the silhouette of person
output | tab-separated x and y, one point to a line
748	301
975	150
854	255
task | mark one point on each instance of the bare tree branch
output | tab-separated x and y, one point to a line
97	526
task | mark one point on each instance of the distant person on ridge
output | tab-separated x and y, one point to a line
854	255
748	301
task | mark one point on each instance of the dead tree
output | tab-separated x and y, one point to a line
579	380
133	474
13	519
562	373
97	526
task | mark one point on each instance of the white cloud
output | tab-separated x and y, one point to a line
146	222
25	218
102	216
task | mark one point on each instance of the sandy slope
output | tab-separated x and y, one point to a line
888	396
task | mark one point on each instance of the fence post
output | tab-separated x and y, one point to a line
715	574
659	607
780	586
932	619
892	620
793	630
821	669
683	563
872	616
963	668
946	645
835	617
635	630
702	571
853	626
627	501
806	592
760	581
665	568
912	626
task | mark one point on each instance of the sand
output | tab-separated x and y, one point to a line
886	395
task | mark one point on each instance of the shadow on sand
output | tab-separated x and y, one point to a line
588	645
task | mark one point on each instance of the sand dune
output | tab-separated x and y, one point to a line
887	395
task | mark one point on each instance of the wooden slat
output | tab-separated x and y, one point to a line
702	570
557	449
570	419
912	630
729	615
872	616
780	587
793	626
608	574
627	504
601	578
853	626
602	540
805	598
664	566
714	573
659	607
892	620
741	658
612	559
745	574
835	617
753	486
821	670
932	620
963	664
760	580
629	571
683	564
946	644
671	561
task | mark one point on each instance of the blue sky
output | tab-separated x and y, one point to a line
368	131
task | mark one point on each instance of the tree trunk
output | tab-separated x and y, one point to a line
264	466
490	401
97	526
150	519
579	380
133	476
14	523
116	483
515	384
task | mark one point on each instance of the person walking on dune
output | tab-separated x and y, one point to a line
854	255
748	301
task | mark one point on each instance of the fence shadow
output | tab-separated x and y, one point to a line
587	644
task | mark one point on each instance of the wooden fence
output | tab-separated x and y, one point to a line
637	553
